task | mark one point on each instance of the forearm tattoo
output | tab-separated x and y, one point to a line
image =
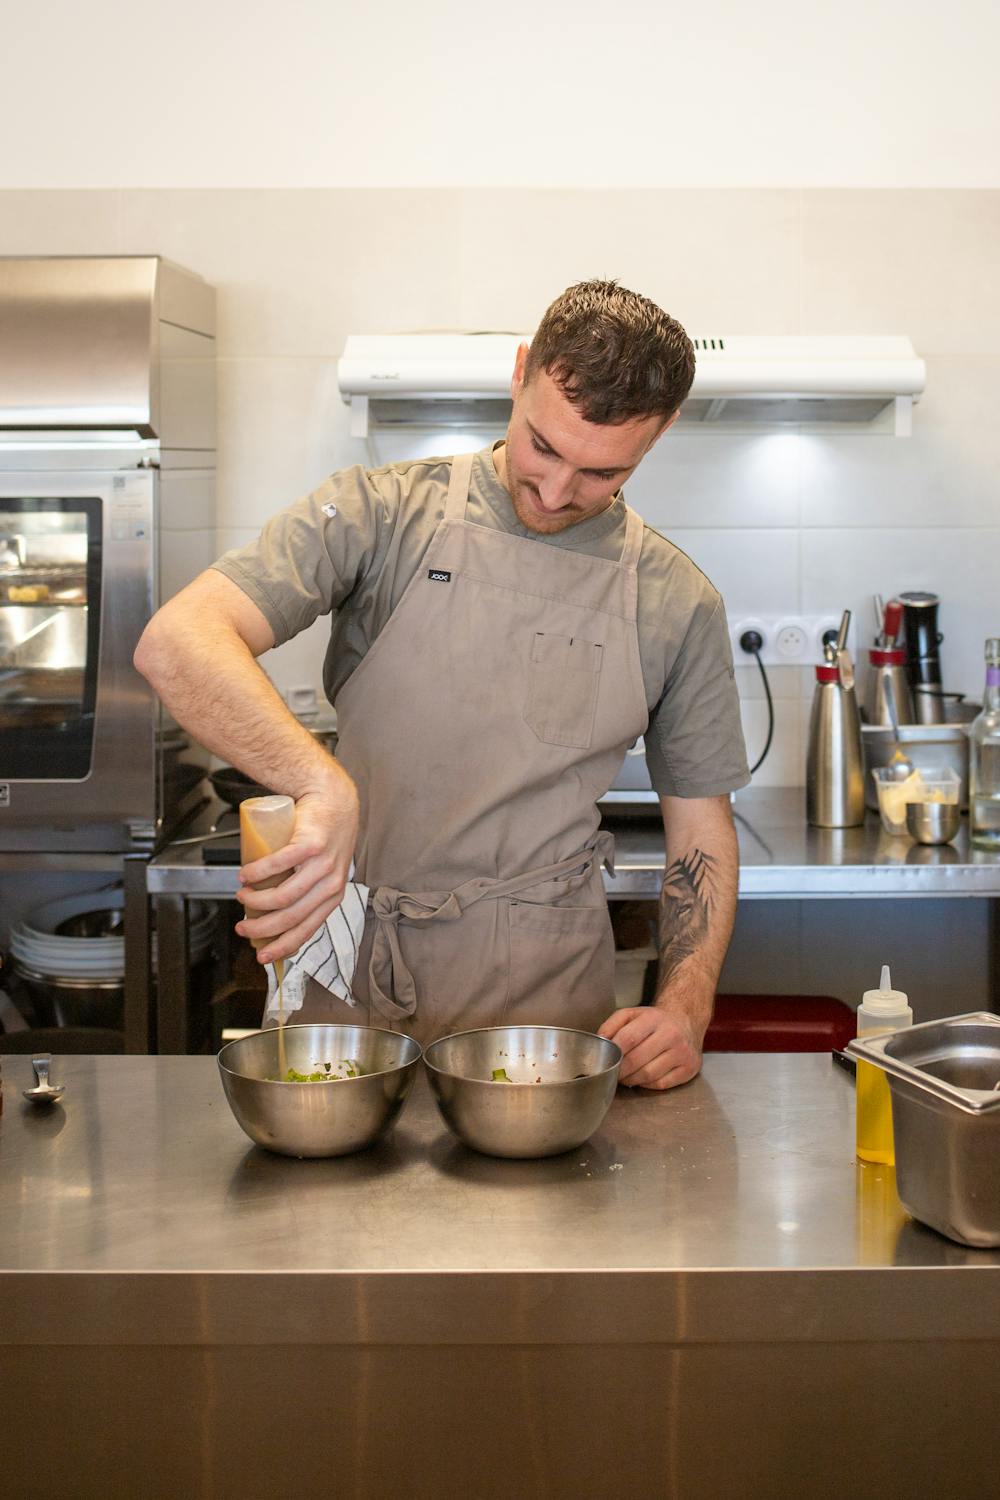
685	909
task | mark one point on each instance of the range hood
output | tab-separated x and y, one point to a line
463	379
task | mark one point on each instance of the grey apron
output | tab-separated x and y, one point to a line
488	716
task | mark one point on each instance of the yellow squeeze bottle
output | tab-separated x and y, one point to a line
266	825
884	1009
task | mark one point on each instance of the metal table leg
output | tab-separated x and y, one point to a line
171	973
138	957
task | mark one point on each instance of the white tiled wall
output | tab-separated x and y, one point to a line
780	521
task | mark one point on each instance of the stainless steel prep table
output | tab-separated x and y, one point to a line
781	857
708	1298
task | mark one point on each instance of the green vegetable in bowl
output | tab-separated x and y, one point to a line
500	1075
352	1069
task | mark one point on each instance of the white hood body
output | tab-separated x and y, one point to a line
444	379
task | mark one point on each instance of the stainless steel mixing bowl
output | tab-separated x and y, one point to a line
318	1119
524	1117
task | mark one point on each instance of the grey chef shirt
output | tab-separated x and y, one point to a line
350	548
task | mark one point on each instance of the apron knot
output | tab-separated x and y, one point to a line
391	985
389	905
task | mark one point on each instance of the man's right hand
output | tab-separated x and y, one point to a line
200	652
281	919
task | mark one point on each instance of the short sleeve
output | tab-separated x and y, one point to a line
694	743
309	557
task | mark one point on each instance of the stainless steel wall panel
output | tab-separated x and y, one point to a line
78	343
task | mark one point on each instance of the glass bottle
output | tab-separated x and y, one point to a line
984	759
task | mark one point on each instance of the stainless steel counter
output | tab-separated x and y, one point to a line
781	857
714	1244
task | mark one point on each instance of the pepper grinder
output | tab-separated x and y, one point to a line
835	784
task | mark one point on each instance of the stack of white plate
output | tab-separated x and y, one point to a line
39	948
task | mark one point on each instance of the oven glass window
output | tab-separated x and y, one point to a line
50	620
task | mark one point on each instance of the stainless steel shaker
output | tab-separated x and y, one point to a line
887	665
835	778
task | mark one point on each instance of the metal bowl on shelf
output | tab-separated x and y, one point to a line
933	822
558	1087
320	1118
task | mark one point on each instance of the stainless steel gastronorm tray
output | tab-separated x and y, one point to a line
944	1080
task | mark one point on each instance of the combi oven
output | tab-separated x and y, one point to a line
106	416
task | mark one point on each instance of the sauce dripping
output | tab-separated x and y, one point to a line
267	824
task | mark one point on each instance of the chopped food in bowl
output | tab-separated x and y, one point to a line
559	1084
289	1114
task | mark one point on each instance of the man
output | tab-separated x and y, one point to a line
504	627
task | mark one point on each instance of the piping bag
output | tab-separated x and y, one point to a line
266	825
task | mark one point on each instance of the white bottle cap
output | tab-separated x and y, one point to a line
885	1001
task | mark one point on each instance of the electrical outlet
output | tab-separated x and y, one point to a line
789	640
792	642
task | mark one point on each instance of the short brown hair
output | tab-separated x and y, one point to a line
614	354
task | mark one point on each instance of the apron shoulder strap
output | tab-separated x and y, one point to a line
633	539
458	487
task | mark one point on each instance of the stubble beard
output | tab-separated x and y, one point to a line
530	518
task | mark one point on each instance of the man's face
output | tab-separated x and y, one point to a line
558	467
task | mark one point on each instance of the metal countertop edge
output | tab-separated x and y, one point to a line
890	1304
784	882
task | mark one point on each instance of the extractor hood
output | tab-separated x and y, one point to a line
463	379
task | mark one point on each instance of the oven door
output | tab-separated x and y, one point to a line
77	722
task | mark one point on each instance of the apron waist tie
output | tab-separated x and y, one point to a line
392	988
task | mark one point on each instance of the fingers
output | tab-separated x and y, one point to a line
639	1024
657	1053
262	928
665	1071
281	897
618	1019
322	829
290	941
299	852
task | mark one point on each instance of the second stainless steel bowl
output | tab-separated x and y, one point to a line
318	1119
562	1084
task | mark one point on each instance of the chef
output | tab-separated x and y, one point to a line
503	627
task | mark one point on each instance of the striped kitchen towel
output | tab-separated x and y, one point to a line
330	956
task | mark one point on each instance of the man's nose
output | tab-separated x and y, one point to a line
556	490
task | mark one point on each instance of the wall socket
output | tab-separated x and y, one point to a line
789	640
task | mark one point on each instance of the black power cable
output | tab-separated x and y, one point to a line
752	642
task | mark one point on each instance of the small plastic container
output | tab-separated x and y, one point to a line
940	785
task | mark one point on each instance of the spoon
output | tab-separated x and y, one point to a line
900	765
43	1092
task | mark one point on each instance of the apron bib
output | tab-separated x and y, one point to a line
489	715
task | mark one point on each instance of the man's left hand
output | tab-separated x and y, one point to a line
659	1049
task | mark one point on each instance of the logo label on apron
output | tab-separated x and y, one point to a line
438	575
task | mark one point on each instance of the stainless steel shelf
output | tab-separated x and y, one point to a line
781	857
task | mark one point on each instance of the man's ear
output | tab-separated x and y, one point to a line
520	364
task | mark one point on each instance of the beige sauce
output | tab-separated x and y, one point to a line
267	824
279	974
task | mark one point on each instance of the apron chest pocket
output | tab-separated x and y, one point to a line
563	679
